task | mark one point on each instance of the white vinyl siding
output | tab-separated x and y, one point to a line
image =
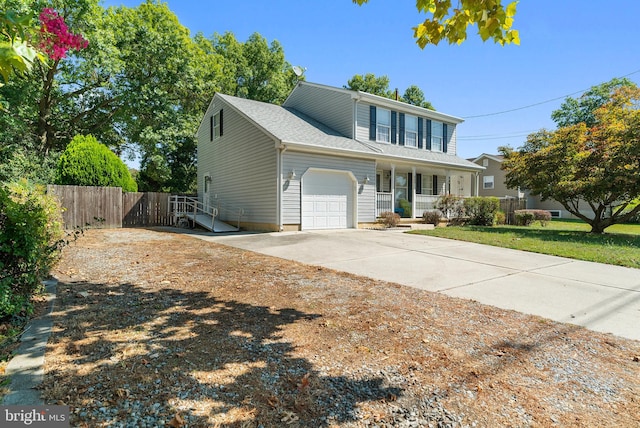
410	131
242	166
301	162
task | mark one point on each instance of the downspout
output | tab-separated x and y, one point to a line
281	149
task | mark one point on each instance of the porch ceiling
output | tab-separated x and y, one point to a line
421	169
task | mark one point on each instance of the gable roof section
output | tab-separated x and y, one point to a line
382	102
287	126
497	158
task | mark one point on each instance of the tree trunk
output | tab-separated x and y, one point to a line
45	130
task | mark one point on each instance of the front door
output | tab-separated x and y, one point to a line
401	188
206	194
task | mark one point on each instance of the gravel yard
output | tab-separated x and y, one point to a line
160	329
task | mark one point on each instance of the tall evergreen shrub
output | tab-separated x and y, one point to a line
87	162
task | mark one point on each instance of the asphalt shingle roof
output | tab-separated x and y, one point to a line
291	126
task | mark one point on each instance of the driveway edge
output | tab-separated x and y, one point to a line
26	368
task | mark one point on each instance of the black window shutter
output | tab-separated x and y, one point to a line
211	128
419	183
428	134
444	137
420	132
435	185
394	126
402	129
372	123
410	187
221	122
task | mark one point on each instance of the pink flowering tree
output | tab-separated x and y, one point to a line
55	38
19	51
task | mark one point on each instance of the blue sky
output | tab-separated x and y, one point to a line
566	47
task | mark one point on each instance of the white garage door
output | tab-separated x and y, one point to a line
327	200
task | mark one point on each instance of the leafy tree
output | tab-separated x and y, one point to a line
449	23
87	162
371	84
16	53
573	111
413	95
591	167
141	86
254	69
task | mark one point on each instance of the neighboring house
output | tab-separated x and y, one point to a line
492	183
327	158
492	179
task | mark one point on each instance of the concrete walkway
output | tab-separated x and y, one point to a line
26	369
601	297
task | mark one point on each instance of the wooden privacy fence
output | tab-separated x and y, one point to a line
110	207
510	205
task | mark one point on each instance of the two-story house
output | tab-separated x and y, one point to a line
327	158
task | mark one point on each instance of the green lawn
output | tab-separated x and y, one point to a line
620	245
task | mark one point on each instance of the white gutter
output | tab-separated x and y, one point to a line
362	155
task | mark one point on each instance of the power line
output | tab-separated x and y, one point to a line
496	136
540	103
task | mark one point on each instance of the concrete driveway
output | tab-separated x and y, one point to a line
600	297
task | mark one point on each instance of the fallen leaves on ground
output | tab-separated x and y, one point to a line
171	330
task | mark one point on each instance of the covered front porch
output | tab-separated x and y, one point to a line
411	190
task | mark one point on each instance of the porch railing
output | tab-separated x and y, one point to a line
425	203
384	203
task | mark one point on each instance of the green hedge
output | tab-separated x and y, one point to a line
87	162
481	210
31	234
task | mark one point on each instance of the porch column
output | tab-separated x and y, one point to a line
413	192
393	188
477	184
447	183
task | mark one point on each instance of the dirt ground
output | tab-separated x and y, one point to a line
153	328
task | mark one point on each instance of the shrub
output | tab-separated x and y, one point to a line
87	162
431	217
389	219
481	210
527	217
451	206
406	208
31	235
500	218
543	216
